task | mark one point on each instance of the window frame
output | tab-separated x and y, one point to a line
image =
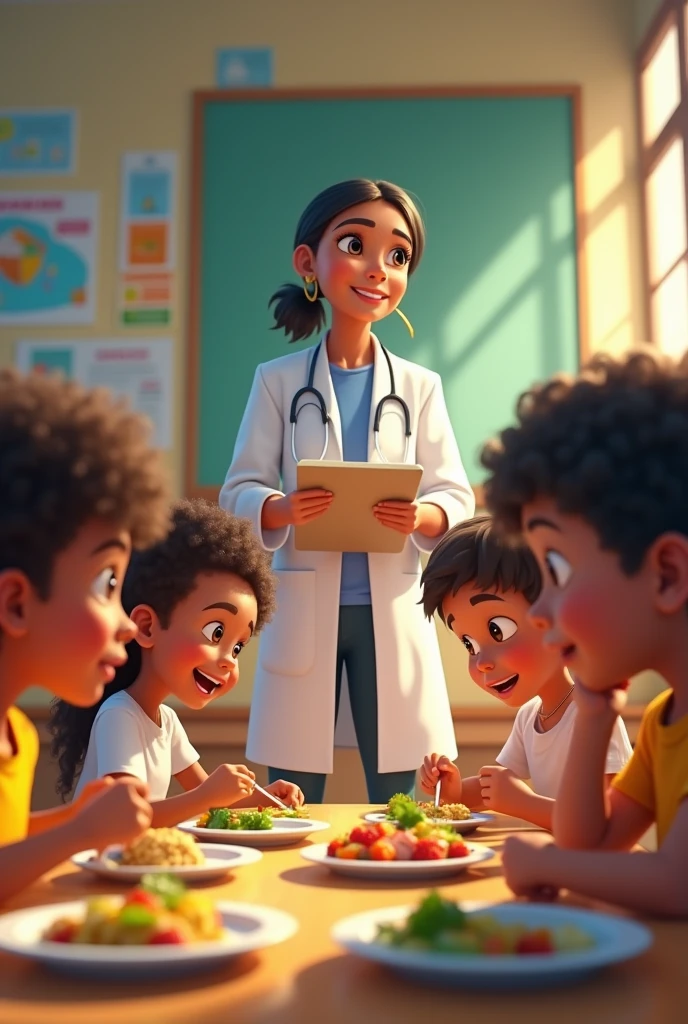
671	13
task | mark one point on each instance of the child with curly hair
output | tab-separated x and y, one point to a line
80	487
483	590
595	476
197	598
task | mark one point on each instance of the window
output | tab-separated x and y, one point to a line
663	112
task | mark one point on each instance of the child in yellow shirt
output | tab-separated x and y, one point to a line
595	477
79	487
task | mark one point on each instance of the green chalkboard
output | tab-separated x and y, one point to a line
494	302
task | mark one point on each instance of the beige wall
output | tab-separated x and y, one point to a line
129	67
643	13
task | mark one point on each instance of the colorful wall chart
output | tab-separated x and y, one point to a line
48	247
147	238
137	369
37	142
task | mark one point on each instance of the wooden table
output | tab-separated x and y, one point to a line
309	979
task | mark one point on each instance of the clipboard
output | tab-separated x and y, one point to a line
349	523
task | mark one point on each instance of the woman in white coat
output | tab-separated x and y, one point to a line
355	245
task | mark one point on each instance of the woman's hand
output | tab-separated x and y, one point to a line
295	508
407	516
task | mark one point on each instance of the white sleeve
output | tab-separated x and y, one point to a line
119	744
513	753
254	474
183	754
444	480
620	750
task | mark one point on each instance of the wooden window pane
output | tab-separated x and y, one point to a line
661	86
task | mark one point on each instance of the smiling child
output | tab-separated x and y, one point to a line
80	486
595	477
197	598
483	589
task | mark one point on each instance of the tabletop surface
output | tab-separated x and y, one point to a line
309	978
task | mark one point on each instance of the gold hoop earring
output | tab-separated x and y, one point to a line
406	321
311	296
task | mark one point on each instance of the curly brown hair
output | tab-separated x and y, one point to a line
610	445
69	454
203	539
472	552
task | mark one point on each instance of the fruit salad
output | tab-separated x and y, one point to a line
440	925
384	841
159	911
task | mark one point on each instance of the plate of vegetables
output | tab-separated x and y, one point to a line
381	850
498	946
159	929
259	827
407	812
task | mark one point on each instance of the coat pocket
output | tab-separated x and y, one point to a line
287	644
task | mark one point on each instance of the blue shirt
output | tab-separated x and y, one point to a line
354	392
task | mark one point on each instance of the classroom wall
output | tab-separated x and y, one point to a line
129	67
643	13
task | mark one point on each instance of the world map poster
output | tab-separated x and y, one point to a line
48	248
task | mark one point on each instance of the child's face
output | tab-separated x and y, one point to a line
197	655
72	643
599	621
506	655
362	261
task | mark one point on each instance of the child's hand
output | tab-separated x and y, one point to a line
287	792
90	791
228	784
436	766
501	790
120	813
524	859
597	703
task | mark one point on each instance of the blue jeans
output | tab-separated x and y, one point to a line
356	649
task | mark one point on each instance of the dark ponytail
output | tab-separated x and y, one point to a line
71	726
294	313
203	539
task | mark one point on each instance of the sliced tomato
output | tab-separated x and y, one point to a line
539	941
431	849
170	937
458	849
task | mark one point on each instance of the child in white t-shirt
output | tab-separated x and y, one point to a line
197	598
483	590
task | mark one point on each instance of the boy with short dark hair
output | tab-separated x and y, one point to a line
79	487
595	477
483	589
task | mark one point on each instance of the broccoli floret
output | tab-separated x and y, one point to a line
219	818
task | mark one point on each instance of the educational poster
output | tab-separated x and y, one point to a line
37	142
48	251
147	239
138	369
247	68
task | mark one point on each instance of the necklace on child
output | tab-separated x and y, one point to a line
549	714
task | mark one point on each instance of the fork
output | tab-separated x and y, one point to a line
438	787
270	796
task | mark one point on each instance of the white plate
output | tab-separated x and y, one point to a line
248	927
396	870
284	832
616	939
462	825
219	861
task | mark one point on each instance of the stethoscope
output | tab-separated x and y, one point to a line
319	403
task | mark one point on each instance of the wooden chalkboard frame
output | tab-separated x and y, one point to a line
192	488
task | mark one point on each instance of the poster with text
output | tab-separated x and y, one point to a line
147	238
48	251
137	369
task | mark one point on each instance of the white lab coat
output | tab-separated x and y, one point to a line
292	717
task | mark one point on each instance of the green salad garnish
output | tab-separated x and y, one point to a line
167	887
225	817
